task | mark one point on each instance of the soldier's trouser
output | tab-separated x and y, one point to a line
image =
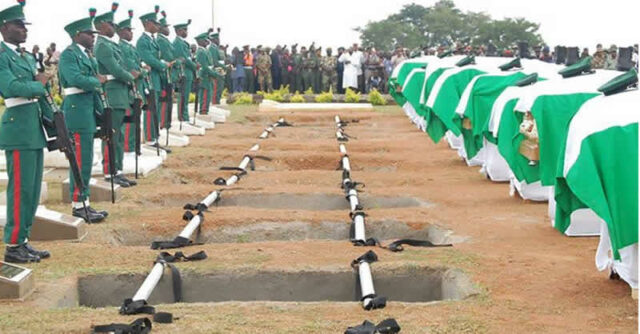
83	143
150	119
249	81
206	89
317	81
284	79
307	80
166	106
215	91
129	134
220	89
117	117
298	84
24	168
183	101
265	81
329	82
238	85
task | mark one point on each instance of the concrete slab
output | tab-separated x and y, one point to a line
51	225
272	106
174	140
186	129
16	282
100	191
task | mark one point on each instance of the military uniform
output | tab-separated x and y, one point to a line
111	64
308	65
218	82
149	52
329	74
131	61
22	137
82	108
250	78
182	50
169	77
206	74
296	73
263	65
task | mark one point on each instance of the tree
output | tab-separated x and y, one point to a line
416	26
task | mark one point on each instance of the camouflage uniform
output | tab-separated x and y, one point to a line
329	74
598	60
263	65
308	64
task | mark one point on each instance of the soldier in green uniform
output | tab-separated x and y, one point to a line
296	76
207	72
263	64
317	70
81	85
111	64
329	74
21	136
214	50
149	52
170	77
308	64
131	63
182	51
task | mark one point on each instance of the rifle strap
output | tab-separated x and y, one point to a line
139	326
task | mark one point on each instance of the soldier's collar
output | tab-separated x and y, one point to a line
148	34
11	47
125	41
112	39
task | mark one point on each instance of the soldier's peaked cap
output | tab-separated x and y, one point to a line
13	13
82	25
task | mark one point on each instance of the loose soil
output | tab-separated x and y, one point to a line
526	277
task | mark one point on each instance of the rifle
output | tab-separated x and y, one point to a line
106	134
63	142
168	100
196	83
135	119
151	97
182	90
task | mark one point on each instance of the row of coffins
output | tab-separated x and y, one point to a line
566	135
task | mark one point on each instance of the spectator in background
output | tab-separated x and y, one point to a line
357	59
585	53
634	57
238	76
340	70
375	81
276	69
285	68
350	74
38	57
388	67
545	56
612	58
373	63
398	57
51	66
599	57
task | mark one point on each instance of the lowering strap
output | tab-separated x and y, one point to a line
252	164
139	326
344	123
284	123
387	326
179	241
130	307
377	302
396	246
222	182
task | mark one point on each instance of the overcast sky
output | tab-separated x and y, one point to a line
331	22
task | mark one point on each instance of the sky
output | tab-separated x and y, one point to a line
331	22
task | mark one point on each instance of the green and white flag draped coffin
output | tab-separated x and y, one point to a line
599	170
398	76
474	112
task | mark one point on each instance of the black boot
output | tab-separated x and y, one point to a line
125	179
19	254
118	181
93	217
43	254
101	212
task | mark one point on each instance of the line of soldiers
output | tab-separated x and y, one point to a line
105	82
301	71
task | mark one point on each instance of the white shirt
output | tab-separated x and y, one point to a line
13	47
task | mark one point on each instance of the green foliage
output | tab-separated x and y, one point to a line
297	98
277	95
351	96
225	93
308	91
192	98
416	26
243	99
376	99
1	101
325	97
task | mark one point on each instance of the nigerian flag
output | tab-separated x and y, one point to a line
599	167
552	104
412	92
476	104
399	75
